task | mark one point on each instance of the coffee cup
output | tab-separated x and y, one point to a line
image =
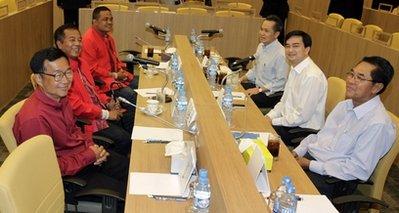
152	106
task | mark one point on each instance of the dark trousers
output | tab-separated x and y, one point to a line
261	99
287	137
112	173
331	190
122	140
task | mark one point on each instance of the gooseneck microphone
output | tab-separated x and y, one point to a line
131	58
156	29
236	63
123	100
212	32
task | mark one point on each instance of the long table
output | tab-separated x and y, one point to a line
233	189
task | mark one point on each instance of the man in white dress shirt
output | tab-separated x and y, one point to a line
357	133
304	98
269	74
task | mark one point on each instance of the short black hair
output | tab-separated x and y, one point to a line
59	33
98	10
383	72
306	39
37	61
278	24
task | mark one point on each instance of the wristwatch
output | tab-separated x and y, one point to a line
260	89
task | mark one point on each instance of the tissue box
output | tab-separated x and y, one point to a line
267	157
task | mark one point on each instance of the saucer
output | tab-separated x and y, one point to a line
159	111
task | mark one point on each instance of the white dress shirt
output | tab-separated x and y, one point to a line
304	98
352	141
271	69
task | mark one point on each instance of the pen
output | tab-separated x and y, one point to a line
156	141
238	105
151	93
174	198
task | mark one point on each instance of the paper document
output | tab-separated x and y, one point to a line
315	204
151	92
154	133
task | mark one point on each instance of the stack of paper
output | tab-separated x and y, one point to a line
154	133
151	92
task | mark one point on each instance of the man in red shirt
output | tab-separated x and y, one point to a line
99	50
86	102
48	112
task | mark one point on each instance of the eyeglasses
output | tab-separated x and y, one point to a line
58	76
357	77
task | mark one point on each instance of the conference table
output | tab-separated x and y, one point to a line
233	189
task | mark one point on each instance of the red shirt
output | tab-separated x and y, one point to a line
100	52
80	99
41	115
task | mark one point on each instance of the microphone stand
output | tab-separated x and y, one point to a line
121	99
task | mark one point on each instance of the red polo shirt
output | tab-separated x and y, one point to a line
100	52
41	115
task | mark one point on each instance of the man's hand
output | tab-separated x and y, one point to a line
112	104
252	91
101	154
294	154
115	114
268	119
121	75
303	162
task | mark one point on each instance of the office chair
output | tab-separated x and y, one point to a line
76	189
30	179
369	31
191	10
229	13
334	19
351	25
335	94
239	5
395	40
152	9
115	7
371	190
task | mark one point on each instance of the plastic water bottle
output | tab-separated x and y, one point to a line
193	36
277	194
199	49
202	193
211	75
288	200
168	35
179	116
227	105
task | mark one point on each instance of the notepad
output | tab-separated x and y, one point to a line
151	92
314	204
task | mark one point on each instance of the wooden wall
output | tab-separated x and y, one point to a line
21	35
336	52
239	38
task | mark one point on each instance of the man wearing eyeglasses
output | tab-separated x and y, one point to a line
357	133
47	112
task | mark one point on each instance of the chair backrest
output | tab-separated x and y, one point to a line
191	10
6	123
30	179
334	19
229	13
384	164
395	40
369	31
115	6
350	24
240	5
335	93
152	9
395	11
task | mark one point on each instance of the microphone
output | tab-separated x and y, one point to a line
123	100
131	58
155	28
236	63
211	32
